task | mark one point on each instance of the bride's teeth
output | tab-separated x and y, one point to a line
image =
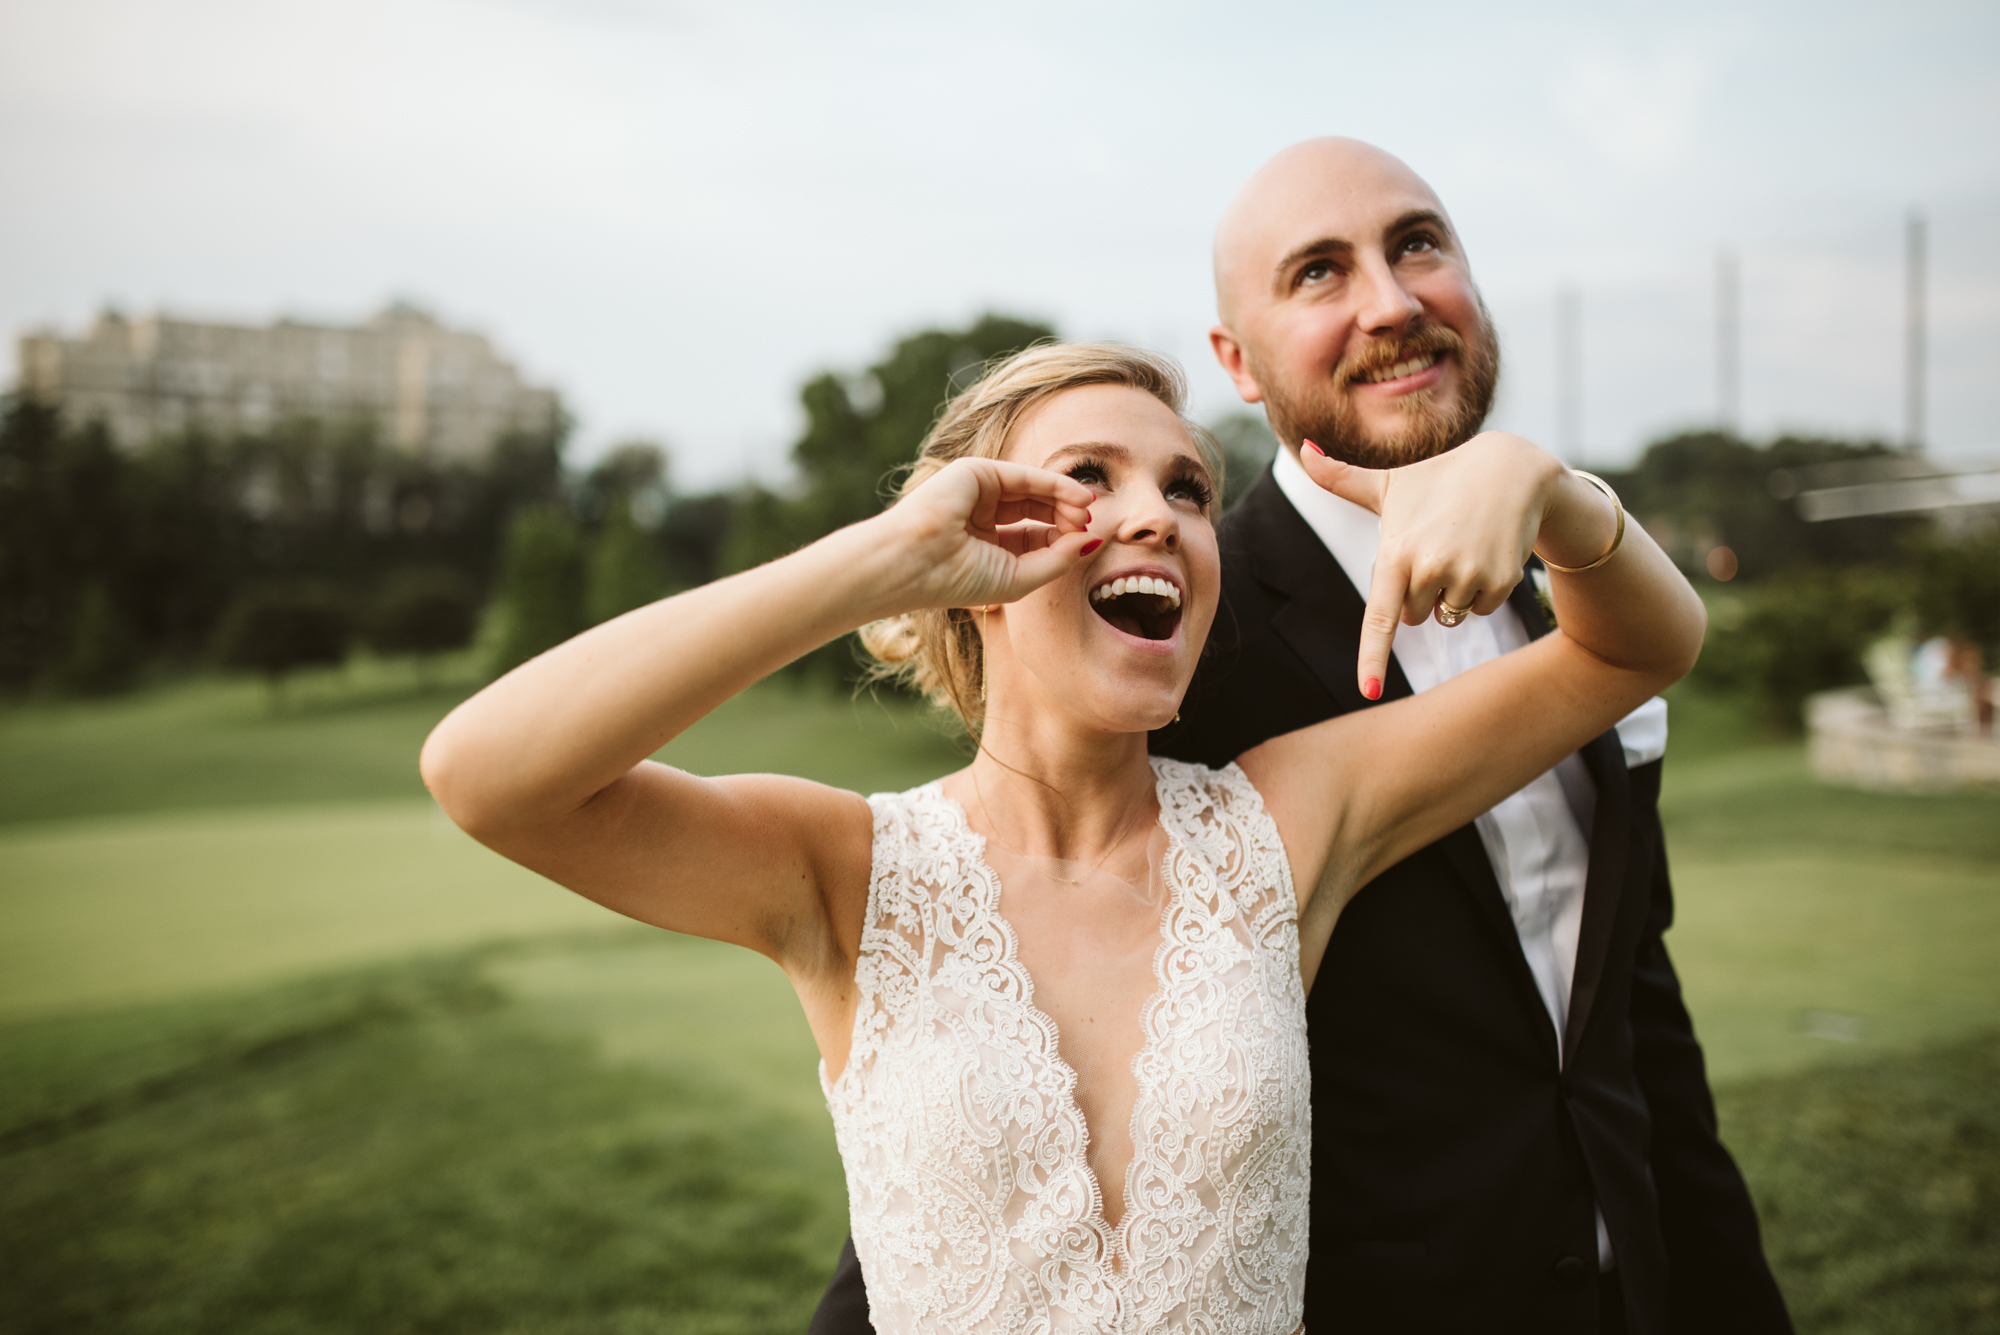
1147	584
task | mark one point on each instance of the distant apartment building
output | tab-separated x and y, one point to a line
439	392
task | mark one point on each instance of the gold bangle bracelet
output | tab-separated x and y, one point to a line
1617	539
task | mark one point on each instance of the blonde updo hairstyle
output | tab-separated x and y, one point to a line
938	651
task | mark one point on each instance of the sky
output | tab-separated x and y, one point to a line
675	213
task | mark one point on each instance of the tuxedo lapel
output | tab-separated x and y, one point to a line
1604	757
1319	612
1318	615
1609	838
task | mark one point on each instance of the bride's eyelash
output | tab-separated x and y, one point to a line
1196	487
1186	480
1087	464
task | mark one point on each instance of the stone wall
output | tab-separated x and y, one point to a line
1852	742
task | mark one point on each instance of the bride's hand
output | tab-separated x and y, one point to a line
1456	530
981	531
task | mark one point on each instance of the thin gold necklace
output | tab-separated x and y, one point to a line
1096	867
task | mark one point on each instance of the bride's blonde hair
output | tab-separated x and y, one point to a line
939	651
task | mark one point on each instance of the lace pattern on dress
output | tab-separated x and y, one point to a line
973	1205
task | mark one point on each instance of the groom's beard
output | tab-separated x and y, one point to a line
1324	412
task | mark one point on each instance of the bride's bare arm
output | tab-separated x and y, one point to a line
1355	795
548	765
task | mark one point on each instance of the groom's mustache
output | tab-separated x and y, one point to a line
1379	356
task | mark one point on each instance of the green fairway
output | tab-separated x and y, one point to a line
105	911
353	734
281	1050
1791	960
241	869
1817	923
344	735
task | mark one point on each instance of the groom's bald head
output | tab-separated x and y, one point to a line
1320	179
1336	265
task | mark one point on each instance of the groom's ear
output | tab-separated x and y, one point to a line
1237	366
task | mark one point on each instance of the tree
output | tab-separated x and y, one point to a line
423	610
62	530
1799	631
863	430
634	474
541	594
695	535
103	653
624	567
1247	445
276	628
1957	588
1705	489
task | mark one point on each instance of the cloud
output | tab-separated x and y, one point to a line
1639	113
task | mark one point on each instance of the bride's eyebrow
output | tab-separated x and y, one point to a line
1094	449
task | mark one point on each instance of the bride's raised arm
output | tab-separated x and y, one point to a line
1357	794
548	765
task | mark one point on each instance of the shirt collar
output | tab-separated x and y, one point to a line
1351	532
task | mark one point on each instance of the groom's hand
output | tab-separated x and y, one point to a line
1456	530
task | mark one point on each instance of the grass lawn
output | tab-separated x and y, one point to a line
102	911
280	1050
404	1149
352	734
1878	1182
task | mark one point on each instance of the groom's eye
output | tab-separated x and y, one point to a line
1316	272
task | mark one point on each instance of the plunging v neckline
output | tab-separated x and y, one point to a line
1118	1261
958	1113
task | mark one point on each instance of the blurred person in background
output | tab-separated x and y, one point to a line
1060	995
1514	1130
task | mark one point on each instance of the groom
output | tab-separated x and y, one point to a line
1512	1128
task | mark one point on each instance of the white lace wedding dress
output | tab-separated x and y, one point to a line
974	1207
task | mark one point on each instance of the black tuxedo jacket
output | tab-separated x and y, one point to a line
1456	1157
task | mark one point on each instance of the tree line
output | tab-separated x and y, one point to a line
1794	605
274	551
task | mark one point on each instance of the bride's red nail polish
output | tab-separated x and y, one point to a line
1092	546
1372	688
1314	448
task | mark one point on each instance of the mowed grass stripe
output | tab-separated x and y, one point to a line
1791	960
353	734
104	913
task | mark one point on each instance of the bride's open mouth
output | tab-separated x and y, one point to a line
1145	606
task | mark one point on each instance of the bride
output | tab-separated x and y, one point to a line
1059	994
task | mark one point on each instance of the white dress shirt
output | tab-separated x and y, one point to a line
1538	839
